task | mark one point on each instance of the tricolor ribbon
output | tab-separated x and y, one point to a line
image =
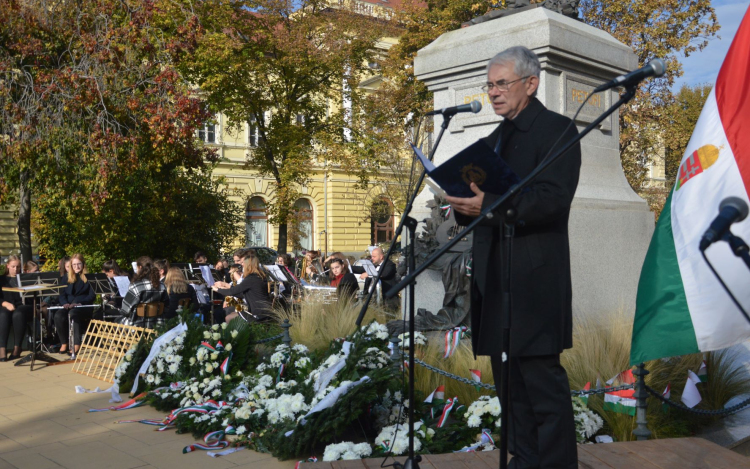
209	407
449	404
485	439
207	346
310	459
225	364
137	401
452	339
212	440
445	210
438	393
219	346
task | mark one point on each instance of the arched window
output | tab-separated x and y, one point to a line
304	211
381	221
256	222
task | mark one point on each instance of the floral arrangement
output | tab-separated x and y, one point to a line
291	402
588	422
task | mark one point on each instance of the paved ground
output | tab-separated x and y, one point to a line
45	424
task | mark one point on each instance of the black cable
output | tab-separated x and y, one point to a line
718	277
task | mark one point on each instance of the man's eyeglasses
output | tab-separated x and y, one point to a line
501	86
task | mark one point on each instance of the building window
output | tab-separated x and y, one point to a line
208	133
381	221
304	235
256	222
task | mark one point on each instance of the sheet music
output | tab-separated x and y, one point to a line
123	283
369	267
207	277
200	293
135	267
275	272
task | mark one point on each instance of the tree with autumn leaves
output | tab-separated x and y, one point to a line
97	130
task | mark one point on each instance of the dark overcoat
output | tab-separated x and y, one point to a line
541	318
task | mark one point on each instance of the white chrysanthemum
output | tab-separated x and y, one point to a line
241	430
474	421
300	348
149	378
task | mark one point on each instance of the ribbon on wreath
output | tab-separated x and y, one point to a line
219	346
212	440
209	407
449	404
208	346
225	364
137	401
452	339
445	210
485	439
310	459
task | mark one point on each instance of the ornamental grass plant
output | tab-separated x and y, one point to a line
601	350
459	364
315	323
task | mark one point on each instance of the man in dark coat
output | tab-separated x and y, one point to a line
541	426
387	274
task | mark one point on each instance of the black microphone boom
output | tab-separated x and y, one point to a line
731	210
655	68
474	106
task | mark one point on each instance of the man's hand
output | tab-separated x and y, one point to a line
9	306
67	305
471	206
363	275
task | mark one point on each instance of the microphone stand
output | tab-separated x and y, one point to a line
739	247
508	233
412	461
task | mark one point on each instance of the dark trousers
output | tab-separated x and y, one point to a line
80	317
18	319
541	430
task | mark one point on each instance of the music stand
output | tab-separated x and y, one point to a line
35	289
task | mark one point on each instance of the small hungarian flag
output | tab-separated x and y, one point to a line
666	395
585	397
680	306
476	376
626	377
621	402
438	394
703	372
691	397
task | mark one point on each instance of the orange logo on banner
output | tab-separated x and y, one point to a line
701	159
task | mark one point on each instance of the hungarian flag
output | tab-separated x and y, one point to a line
621	402
585	397
681	308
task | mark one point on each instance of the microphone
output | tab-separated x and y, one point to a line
731	210
655	68
474	106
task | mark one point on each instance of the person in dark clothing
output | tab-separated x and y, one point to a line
252	287
541	426
345	282
76	300
12	311
387	271
145	288
179	291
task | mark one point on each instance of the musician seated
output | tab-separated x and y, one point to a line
77	301
252	288
162	265
387	275
111	269
30	267
178	290
12	311
345	282
222	270
200	257
145	288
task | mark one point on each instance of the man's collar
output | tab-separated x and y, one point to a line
528	115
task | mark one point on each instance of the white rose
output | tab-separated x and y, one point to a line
223	325
206	335
228	347
234	333
192	360
215	327
209	368
216	336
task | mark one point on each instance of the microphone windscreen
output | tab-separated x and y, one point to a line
737	204
476	106
659	67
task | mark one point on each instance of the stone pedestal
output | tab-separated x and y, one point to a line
610	225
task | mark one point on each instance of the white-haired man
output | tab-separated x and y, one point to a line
541	426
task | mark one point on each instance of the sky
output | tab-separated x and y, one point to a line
703	67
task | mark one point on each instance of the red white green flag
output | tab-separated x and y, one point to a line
681	308
621	402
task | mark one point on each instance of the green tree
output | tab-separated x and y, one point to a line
683	115
171	213
664	29
290	69
89	100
